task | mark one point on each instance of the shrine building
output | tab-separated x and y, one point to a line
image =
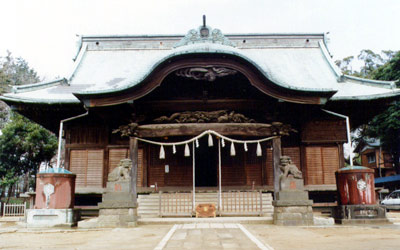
205	111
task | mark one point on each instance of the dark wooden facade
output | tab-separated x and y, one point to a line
315	144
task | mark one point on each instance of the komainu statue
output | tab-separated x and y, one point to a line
121	172
288	168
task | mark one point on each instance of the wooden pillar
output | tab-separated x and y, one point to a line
276	147
133	148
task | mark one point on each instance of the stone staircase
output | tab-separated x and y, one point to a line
149	203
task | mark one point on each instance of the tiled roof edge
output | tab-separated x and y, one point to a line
375	83
37	86
366	97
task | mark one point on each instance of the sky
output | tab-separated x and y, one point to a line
44	32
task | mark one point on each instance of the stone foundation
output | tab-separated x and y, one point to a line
291	205
52	217
117	217
360	214
293	216
117	208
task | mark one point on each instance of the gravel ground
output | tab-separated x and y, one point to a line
149	237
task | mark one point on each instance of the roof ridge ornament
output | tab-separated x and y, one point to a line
204	34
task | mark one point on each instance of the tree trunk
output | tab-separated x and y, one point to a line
26	183
9	192
2	193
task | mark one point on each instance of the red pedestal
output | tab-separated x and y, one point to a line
62	189
356	186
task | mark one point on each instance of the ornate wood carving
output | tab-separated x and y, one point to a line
205	73
220	116
193	129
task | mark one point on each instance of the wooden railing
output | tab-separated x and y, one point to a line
231	203
241	203
175	204
14	209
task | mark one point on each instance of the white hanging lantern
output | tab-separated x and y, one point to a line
259	152
223	142
210	141
233	151
173	149
162	152
187	150
197	143
245	147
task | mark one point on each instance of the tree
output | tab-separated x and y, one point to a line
390	71
371	63
23	144
386	126
23	147
371	60
345	65
15	71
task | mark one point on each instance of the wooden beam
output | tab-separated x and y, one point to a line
178	129
133	148
212	104
276	146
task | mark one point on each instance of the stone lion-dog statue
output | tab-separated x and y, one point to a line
121	172
288	168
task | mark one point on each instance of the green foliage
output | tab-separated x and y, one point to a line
23	146
390	71
345	65
385	126
373	64
15	71
371	60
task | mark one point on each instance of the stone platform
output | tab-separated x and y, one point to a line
52	217
360	214
117	208
292	206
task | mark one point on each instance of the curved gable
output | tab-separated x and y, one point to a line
185	58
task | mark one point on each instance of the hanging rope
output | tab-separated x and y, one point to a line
207	132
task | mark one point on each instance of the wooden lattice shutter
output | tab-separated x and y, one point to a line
322	162
88	167
140	168
314	165
95	166
330	158
270	168
78	163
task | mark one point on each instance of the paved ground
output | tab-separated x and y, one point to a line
210	236
204	236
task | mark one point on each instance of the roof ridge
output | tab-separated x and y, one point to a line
37	86
371	82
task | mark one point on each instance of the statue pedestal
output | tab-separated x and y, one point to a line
117	208
67	217
292	206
